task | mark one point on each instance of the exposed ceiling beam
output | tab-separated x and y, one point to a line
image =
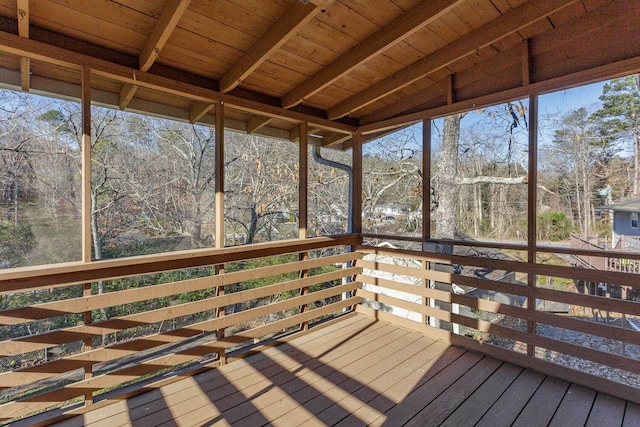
334	139
297	16
126	95
256	123
167	22
23	31
401	27
198	110
295	133
580	78
529	48
18	46
507	24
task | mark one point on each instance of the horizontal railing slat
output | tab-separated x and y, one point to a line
75	333
80	388
31	278
127	296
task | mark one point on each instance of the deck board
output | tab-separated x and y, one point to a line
510	404
359	371
575	407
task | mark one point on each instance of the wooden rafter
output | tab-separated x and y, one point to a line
495	30
295	133
297	16
548	41
403	26
608	71
335	139
23	31
167	22
198	110
256	123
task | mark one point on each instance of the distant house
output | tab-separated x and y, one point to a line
626	233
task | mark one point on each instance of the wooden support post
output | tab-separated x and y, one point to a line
303	220
532	208
86	204
220	232
426	202
356	208
356	188
86	164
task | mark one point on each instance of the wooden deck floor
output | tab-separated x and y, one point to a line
362	372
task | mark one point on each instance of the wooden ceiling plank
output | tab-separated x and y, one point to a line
507	24
295	18
403	26
256	123
23	31
198	111
167	22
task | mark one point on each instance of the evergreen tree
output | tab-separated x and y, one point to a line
620	117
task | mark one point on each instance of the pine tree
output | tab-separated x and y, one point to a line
620	117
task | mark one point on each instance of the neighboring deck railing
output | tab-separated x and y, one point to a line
493	317
161	326
611	263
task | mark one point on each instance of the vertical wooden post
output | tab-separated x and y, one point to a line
303	188
219	214
86	204
532	208
426	201
356	189
86	164
356	212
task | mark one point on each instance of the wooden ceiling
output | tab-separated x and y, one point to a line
341	65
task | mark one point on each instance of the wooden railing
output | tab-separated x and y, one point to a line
184	323
72	349
492	316
601	259
597	262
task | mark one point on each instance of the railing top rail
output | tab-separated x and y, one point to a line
25	278
512	246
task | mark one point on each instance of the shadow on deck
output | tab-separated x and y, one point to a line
359	371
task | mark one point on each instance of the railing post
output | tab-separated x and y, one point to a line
219	214
532	193
303	189
426	203
356	189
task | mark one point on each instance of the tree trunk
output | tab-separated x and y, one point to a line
446	215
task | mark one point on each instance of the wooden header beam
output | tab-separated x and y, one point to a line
19	46
609	71
495	30
403	26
